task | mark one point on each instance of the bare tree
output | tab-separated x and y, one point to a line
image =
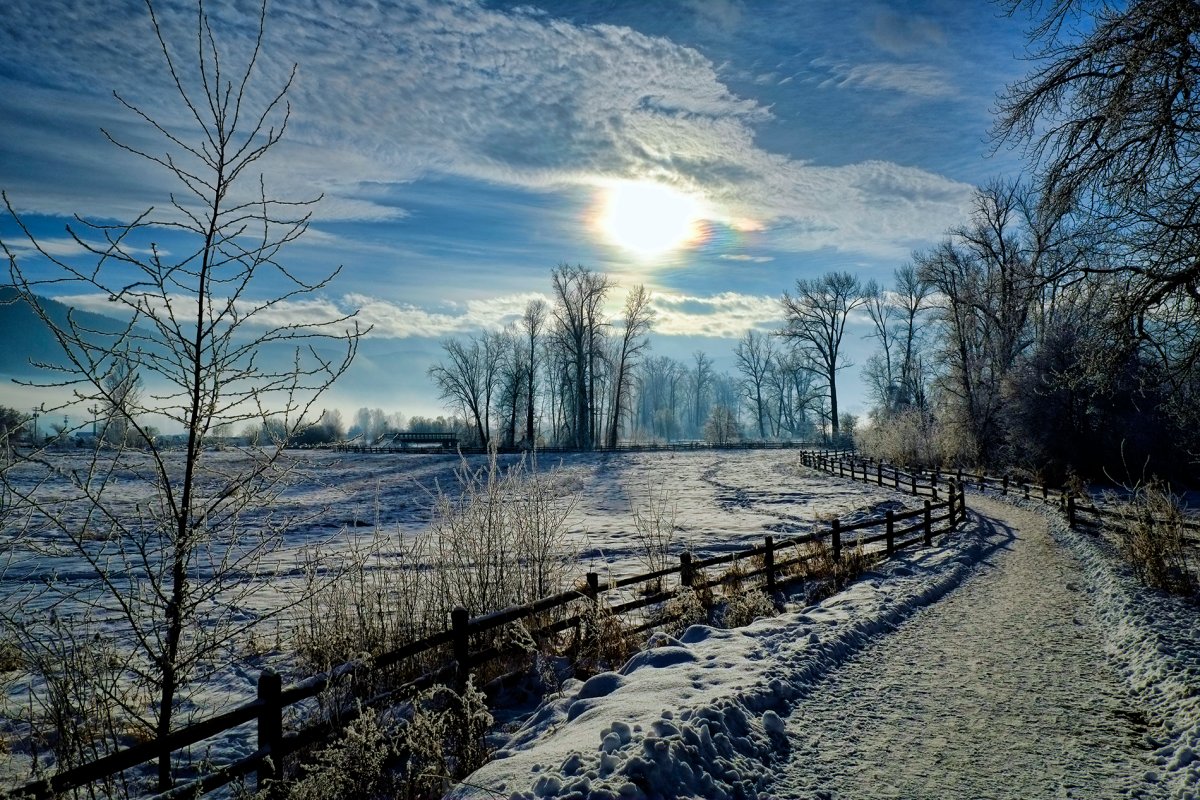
579	335
533	321
816	320
468	378
700	383
179	572
755	355
1110	118
636	320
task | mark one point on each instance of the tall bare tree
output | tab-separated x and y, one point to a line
579	333
816	321
199	332
636	320
467	378
533	321
755	357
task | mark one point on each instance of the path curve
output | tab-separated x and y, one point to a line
1000	690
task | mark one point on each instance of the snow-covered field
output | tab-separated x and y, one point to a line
723	500
735	713
1090	691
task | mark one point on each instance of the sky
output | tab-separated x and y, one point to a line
713	150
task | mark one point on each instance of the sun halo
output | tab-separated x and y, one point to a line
649	219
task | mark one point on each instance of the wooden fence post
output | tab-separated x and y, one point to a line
879	473
1004	487
769	564
593	588
1070	511
962	504
891	531
1026	483
950	509
841	468
686	577
459	622
270	727
1045	493
913	477
929	521
959	477
836	531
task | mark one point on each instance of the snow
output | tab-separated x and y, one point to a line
725	500
1014	659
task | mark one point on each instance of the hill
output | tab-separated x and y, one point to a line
27	340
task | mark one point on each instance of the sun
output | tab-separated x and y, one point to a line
649	219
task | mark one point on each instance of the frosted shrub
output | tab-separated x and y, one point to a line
1153	540
655	514
686	608
501	540
378	600
602	641
903	437
444	740
745	607
356	765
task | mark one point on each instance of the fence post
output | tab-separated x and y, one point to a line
879	473
1070	511
962	504
913	477
1026	489
836	526
1045	493
459	621
1004	487
593	588
959	477
686	577
769	563
929	520
270	727
841	468
950	500
891	531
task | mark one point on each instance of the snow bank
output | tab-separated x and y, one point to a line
1155	639
701	715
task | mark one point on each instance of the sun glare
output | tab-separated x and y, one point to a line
649	219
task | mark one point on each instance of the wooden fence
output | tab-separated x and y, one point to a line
627	447
1080	513
466	644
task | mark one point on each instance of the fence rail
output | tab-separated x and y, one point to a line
773	559
921	481
628	447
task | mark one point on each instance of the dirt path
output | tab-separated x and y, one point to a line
1000	690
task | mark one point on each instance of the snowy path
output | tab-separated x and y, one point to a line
1000	690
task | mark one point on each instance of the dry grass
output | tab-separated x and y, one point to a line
1153	539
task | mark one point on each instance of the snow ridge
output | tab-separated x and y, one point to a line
1155	639
603	739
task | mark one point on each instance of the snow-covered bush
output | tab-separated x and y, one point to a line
742	608
687	607
602	641
444	740
1153	539
356	765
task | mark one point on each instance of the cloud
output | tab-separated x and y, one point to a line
923	81
513	97
727	315
744	257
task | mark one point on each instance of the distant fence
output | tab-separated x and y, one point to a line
1080	513
627	447
464	645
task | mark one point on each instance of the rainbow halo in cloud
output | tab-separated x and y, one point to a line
649	219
